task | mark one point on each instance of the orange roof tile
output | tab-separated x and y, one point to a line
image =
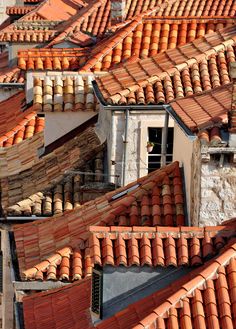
52	59
204	298
183	71
19	10
158	200
154	247
127	246
205	110
140	40
16	125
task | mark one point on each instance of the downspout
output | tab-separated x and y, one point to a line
164	140
125	149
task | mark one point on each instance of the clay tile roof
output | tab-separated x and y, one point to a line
158	200
12	75
186	70
16	125
51	59
70	193
62	307
128	246
204	298
19	10
70	92
205	110
140	40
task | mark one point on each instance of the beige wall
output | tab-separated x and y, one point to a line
183	150
57	124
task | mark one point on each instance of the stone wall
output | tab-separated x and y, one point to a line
195	184
218	192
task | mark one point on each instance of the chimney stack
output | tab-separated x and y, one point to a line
117	11
232	112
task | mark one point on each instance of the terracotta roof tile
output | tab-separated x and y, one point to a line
186	70
104	212
150	36
51	59
71	92
16	125
60	306
12	75
70	193
49	170
204	298
19	10
205	110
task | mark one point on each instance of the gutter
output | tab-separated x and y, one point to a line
22	218
180	123
12	85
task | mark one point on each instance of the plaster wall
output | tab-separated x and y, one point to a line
57	124
3	5
182	152
113	129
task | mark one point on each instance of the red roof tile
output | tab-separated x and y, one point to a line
66	307
51	59
19	10
204	298
12	75
189	69
16	125
154	202
150	36
205	110
127	246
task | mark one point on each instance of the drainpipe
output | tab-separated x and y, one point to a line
164	140
125	151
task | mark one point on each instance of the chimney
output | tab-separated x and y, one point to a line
117	11
232	112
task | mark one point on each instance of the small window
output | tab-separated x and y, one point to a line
155	136
97	292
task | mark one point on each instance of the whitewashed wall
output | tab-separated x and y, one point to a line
114	131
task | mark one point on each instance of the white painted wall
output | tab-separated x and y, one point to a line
114	131
3	5
57	124
183	150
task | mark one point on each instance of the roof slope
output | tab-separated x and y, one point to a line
147	37
204	298
16	125
158	198
197	66
128	246
62	308
50	169
205	110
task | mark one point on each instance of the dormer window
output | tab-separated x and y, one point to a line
97	292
